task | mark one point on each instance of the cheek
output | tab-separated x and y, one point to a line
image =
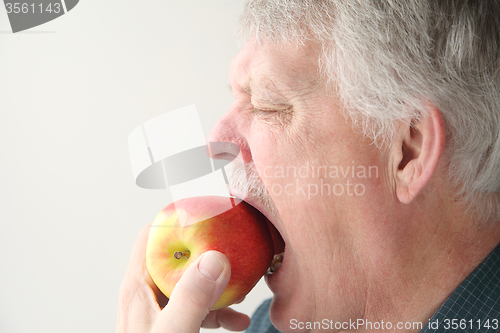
278	162
273	148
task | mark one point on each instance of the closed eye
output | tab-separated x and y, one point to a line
274	116
264	110
287	109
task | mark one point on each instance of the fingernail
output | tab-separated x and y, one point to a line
211	266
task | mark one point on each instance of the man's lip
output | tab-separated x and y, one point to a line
255	203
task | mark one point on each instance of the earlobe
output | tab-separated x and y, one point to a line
421	147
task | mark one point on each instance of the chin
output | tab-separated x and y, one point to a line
285	315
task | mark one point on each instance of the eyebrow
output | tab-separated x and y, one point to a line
265	83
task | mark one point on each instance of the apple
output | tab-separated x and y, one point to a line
187	228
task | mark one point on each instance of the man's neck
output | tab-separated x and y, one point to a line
426	263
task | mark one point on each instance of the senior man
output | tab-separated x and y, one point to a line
370	132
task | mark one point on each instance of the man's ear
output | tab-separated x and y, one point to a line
420	147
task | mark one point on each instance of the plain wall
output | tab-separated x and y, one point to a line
71	91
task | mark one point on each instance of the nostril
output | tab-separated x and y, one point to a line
223	150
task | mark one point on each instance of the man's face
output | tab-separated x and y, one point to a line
324	181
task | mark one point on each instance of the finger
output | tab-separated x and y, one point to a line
137	299
227	318
137	264
196	292
137	272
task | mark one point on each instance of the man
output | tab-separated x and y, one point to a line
370	131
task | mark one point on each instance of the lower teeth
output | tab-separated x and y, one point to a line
276	263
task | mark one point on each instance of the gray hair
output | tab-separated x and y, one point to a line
388	58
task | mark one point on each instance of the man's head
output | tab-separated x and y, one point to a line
360	123
388	59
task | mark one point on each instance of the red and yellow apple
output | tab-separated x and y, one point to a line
187	228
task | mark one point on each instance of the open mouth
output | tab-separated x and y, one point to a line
279	242
279	248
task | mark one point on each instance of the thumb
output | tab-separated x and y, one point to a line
195	294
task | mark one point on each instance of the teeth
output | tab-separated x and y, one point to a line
276	263
275	266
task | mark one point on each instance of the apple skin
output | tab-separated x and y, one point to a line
241	233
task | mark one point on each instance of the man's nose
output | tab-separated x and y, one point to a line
226	139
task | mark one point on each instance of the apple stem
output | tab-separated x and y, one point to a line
179	254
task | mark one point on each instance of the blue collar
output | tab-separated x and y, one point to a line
475	305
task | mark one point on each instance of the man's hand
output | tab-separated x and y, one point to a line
143	308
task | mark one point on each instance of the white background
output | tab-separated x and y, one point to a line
71	91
